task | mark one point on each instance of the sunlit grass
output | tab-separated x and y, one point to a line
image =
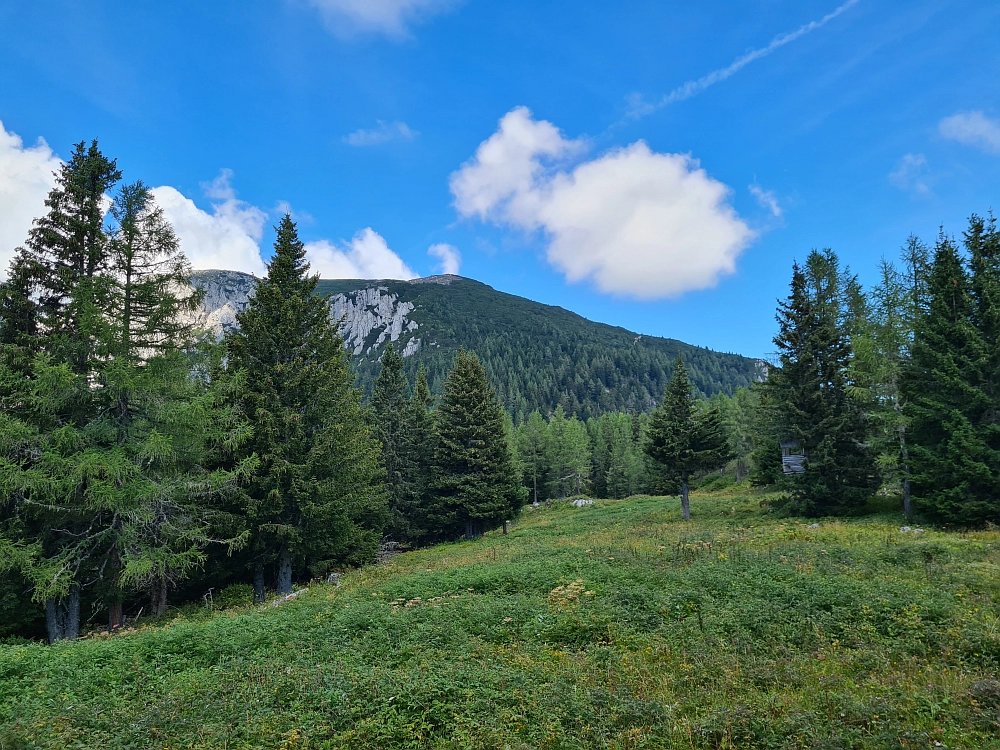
615	625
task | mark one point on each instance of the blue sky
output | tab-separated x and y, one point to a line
538	145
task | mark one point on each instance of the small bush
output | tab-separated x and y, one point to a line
236	595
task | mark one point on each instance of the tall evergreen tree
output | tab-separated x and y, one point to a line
423	446
948	390
318	497
104	432
392	420
475	483
809	393
683	441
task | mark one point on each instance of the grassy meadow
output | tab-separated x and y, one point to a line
615	625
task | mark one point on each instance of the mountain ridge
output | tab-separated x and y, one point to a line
537	355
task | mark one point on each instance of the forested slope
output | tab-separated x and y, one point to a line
537	356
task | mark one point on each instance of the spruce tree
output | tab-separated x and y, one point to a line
475	485
318	496
683	441
393	429
809	394
423	446
948	392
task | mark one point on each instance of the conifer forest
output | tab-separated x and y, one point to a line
153	475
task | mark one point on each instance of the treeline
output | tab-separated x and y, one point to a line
138	456
892	390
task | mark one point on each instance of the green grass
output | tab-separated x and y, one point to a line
611	626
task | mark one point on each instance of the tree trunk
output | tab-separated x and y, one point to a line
73	614
55	621
284	571
907	508
258	582
468	530
685	504
505	528
158	597
114	616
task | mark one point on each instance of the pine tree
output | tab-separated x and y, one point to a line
681	441
475	484
809	394
318	497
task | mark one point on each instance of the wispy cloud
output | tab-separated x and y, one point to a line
766	199
391	17
972	129
910	174
638	107
385	132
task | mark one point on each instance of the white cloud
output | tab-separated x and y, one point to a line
451	259
390	17
910	174
228	237
386	131
972	129
366	256
766	199
638	107
636	222
26	177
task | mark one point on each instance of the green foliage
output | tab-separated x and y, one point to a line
103	429
392	419
317	498
567	452
475	484
619	465
949	383
682	441
234	595
613	625
809	391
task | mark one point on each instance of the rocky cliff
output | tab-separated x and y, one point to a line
368	316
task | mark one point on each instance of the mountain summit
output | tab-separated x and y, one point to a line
537	356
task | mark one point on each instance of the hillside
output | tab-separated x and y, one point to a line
609	626
537	356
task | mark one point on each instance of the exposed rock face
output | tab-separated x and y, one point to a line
227	293
370	316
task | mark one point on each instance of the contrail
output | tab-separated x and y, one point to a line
689	89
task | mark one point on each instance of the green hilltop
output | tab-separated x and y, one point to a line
539	356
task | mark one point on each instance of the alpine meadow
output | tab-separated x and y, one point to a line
587	446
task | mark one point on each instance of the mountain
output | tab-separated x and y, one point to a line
537	356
